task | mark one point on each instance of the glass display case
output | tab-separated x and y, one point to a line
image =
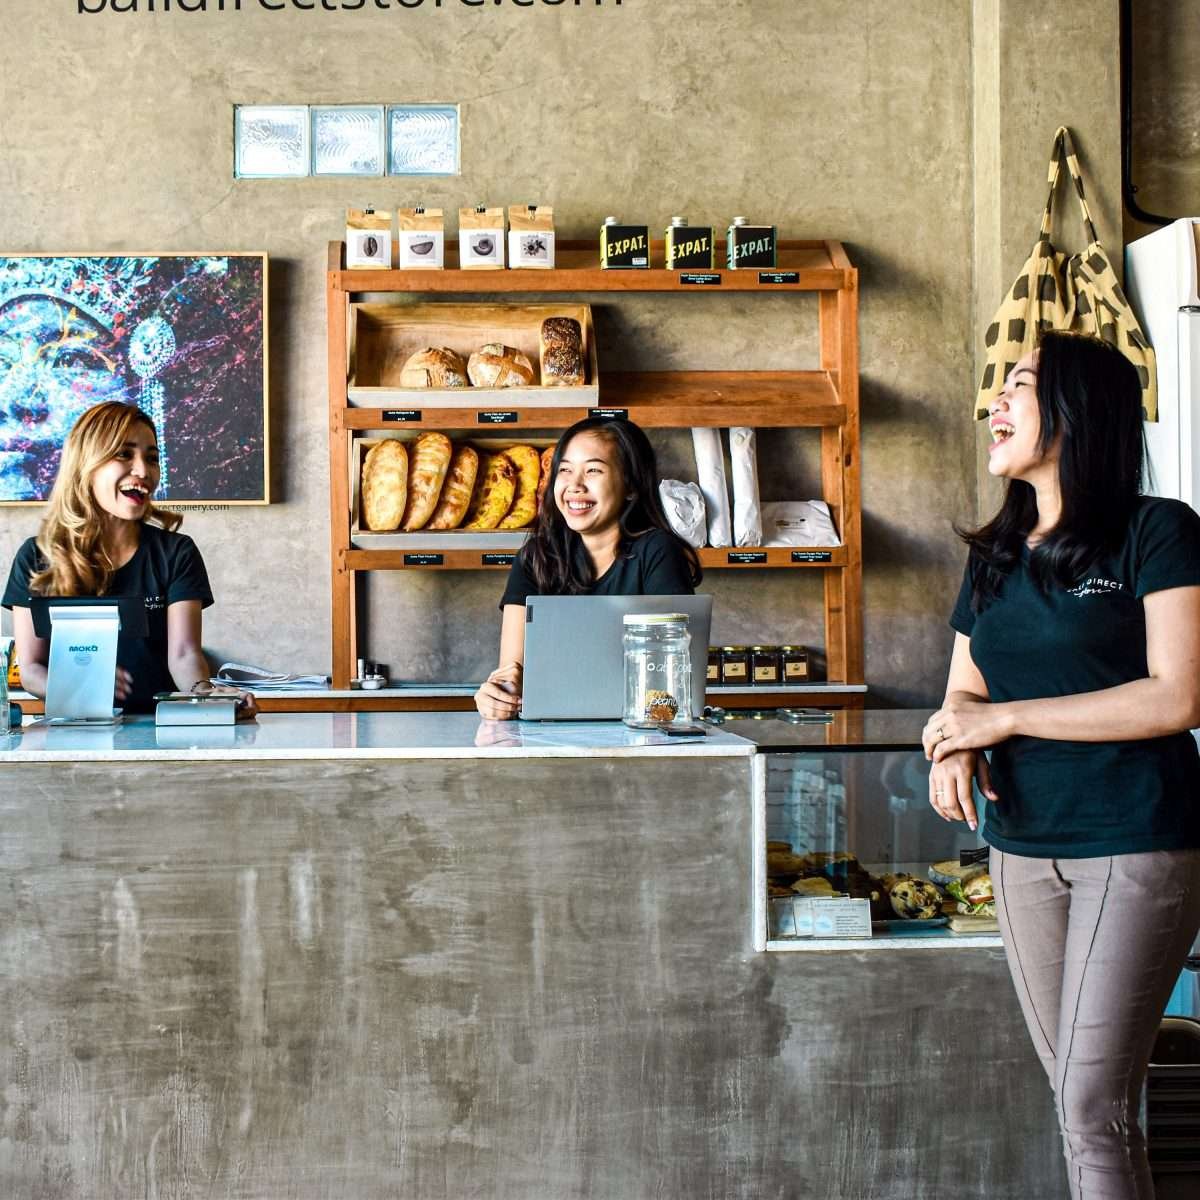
848	852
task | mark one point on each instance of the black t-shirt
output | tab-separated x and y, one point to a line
653	564
166	568
1088	799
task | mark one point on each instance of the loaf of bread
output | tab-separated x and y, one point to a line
456	491
493	494
434	367
544	480
427	468
384	485
560	345
529	469
499	366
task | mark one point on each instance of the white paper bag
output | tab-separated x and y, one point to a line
710	470
747	512
684	505
798	523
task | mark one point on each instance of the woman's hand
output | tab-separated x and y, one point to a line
499	696
950	781
247	707
965	725
123	685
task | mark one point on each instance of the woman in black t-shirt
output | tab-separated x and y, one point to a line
103	536
1077	664
601	531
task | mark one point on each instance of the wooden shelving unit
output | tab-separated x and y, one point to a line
825	399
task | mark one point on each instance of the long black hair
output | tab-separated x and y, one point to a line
554	556
1089	394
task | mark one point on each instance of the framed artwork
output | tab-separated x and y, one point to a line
182	336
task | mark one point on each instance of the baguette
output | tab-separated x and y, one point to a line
529	469
426	474
384	485
493	494
456	491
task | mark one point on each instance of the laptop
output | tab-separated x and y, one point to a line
575	654
81	673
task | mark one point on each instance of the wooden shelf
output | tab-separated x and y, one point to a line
734	558
819	266
655	400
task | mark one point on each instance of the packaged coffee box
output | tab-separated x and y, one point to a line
750	246
422	239
689	247
624	247
481	238
368	240
531	236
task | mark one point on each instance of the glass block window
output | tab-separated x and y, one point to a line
271	141
347	139
423	139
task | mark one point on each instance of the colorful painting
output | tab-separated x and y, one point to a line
182	336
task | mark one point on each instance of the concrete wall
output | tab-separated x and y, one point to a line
917	133
1166	110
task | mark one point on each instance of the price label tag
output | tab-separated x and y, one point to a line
700	278
497	417
811	556
779	277
746	556
609	414
423	560
499	560
402	415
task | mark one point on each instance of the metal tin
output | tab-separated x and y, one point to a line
689	247
750	247
735	665
624	247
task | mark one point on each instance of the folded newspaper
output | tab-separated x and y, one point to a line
259	679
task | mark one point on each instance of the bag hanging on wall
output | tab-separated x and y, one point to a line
1077	292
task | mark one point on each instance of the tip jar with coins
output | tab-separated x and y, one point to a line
658	670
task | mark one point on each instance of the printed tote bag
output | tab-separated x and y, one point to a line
1077	292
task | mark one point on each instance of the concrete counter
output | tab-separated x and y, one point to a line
403	964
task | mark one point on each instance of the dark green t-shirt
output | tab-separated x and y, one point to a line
165	568
1088	799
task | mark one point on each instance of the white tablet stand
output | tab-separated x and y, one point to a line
82	672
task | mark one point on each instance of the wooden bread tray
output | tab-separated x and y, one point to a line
382	338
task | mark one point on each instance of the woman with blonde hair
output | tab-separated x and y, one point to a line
103	536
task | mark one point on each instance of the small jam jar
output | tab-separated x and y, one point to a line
735	665
765	666
713	673
795	664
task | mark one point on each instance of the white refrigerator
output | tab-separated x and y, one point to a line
1161	272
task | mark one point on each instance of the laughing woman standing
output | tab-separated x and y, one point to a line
1077	665
103	536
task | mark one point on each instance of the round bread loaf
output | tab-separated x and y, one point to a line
499	366
434	367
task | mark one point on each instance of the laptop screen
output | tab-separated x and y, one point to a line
574	653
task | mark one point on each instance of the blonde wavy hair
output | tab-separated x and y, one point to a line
70	538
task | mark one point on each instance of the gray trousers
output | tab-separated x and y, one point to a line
1095	947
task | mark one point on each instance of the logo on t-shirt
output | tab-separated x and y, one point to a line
1096	586
154	603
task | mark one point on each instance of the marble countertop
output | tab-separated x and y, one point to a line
383	735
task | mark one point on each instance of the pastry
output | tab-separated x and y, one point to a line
499	366
493	494
384	485
456	491
813	887
544	481
434	367
915	899
529	469
426	473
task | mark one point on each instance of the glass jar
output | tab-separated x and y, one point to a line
658	669
735	665
765	666
795	664
713	674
